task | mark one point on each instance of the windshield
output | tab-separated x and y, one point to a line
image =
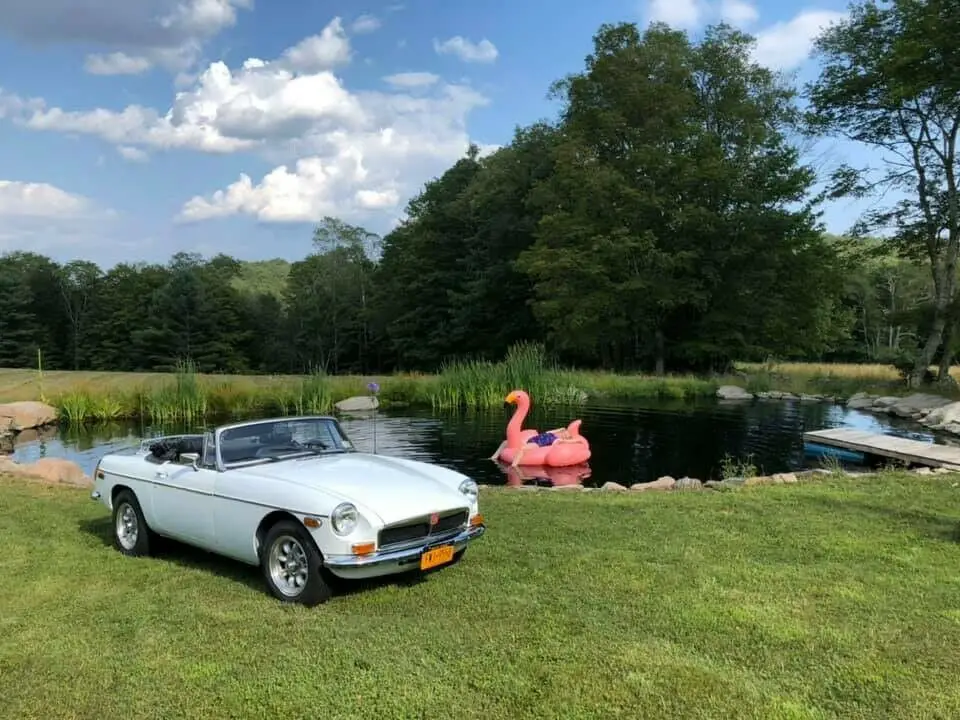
272	440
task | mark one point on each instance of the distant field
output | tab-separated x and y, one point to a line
832	599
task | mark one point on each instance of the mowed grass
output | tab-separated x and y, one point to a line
828	599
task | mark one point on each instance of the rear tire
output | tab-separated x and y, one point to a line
292	565
131	536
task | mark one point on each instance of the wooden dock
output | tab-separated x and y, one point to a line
915	452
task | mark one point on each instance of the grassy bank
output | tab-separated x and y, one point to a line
839	379
833	599
187	395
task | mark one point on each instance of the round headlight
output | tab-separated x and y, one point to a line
469	488
344	518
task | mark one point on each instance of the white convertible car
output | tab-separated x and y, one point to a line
293	496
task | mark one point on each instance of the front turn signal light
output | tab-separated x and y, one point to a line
363	548
476	520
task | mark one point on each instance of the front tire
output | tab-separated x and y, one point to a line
292	565
131	536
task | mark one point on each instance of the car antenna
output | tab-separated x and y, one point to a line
374	388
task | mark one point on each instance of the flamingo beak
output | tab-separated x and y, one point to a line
511	398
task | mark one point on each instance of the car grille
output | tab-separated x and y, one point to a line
420	528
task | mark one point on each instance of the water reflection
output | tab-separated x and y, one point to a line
630	443
541	475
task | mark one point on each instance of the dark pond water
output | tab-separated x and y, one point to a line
630	443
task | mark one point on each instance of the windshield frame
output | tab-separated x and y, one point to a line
332	428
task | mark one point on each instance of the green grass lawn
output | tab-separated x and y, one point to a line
821	600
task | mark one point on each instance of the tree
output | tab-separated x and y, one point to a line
669	228
18	323
490	305
889	80
78	282
421	270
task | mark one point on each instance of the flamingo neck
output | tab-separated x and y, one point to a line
515	426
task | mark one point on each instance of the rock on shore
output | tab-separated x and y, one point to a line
25	415
735	392
931	411
49	471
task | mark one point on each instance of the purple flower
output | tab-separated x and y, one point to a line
373	387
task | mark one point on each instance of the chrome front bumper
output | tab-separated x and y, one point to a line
394	561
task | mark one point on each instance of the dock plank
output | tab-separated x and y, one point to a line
916	452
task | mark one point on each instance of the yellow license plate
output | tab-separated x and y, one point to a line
436	556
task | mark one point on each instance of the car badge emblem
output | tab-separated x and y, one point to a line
435	518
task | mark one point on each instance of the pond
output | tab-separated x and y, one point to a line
631	443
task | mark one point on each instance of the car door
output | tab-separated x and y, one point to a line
183	501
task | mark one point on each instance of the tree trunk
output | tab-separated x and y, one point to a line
928	351
944	279
946	357
659	351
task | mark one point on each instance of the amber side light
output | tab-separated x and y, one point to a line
363	548
311	522
476	520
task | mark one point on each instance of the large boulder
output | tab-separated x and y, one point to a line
51	471
24	415
358	403
861	401
917	404
733	392
943	417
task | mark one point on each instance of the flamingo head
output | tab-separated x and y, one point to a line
516	397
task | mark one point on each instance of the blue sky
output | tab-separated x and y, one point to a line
132	129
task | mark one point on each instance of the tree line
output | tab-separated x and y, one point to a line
664	221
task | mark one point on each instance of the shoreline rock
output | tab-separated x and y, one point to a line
931	411
25	415
47	471
667	483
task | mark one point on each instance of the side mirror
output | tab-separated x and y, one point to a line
193	459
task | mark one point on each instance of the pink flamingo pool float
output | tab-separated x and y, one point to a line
556	448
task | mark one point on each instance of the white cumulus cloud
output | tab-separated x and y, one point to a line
412	79
685	14
738	12
132	154
320	52
468	51
786	45
779	46
365	24
355	154
42	217
32	199
116	63
130	36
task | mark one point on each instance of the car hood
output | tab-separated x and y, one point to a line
391	488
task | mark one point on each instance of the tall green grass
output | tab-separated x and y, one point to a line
480	384
187	396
